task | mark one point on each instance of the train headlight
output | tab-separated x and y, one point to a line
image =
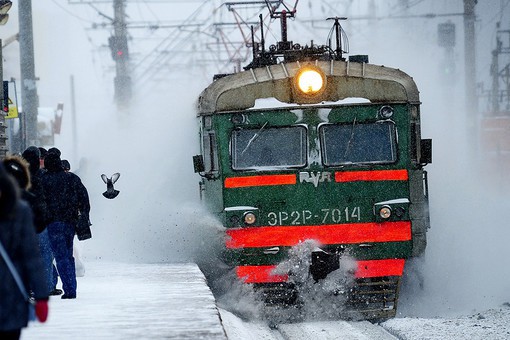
310	80
386	112
249	218
238	118
385	212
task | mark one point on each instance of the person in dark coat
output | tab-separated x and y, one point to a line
66	198
18	237
80	268
33	156
31	188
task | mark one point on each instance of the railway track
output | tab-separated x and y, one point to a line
236	328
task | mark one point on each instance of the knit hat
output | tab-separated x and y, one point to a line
52	162
32	155
55	151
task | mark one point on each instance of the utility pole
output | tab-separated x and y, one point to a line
470	66
120	53
5	6
495	77
29	98
119	48
73	119
3	135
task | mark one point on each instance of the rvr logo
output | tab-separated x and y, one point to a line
315	178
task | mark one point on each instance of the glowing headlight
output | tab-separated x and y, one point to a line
249	218
310	81
385	212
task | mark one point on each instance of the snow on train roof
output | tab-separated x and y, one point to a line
269	103
345	79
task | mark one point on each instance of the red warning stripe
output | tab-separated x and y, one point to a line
373	175
259	274
365	269
376	268
257	181
349	233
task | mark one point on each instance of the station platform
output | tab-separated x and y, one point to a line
133	301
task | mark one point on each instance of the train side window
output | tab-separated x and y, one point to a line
367	143
267	148
210	152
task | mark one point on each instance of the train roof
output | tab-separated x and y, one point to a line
344	80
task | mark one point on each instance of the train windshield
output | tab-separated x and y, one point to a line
269	147
358	143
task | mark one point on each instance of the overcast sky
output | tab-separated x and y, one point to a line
71	38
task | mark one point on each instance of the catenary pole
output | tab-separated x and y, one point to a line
29	98
470	67
122	78
3	136
73	120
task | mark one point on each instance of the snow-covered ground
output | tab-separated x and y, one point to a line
492	324
488	325
134	301
142	301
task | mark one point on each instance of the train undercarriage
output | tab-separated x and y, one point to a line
333	292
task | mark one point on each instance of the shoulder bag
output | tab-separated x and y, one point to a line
19	283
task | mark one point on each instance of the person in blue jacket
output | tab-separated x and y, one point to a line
66	200
19	240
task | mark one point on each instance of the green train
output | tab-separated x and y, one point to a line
336	156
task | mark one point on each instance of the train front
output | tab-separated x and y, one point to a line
334	159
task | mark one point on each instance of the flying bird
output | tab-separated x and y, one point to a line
110	190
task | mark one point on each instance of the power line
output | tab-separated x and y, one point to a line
69	12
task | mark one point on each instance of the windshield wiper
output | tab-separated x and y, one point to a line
349	143
255	136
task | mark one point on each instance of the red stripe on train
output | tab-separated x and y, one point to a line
349	233
259	274
257	181
366	269
374	175
376	268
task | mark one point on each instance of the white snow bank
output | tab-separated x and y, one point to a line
493	324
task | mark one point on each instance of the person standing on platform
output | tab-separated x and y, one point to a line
80	267
20	262
31	189
66	198
33	156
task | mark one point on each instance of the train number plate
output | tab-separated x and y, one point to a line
324	216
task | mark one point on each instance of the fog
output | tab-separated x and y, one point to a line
157	215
